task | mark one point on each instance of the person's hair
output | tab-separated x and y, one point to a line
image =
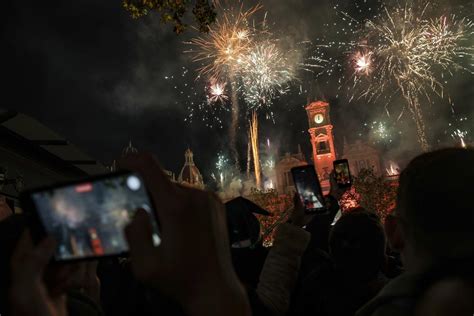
434	203
357	244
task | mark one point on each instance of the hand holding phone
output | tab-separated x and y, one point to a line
87	218
33	291
300	217
193	223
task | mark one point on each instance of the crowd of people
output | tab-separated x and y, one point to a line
418	262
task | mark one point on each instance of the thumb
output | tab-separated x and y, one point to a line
45	250
139	234
297	201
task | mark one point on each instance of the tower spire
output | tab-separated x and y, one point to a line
188	157
129	149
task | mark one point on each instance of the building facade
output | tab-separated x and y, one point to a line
359	154
284	178
362	156
32	155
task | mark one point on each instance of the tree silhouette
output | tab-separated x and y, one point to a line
372	192
173	11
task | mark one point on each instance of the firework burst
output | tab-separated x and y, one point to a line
222	162
222	174
380	132
216	93
460	135
412	51
362	63
265	73
220	51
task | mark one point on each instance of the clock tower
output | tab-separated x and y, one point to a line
322	140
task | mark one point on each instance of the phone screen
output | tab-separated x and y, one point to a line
88	219
342	173
308	187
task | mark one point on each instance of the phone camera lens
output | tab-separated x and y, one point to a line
133	183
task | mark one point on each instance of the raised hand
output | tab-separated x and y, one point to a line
299	217
29	294
192	263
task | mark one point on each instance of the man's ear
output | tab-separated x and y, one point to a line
393	232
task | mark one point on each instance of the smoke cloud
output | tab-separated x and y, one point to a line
97	77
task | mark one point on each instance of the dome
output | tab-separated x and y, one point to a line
129	150
190	173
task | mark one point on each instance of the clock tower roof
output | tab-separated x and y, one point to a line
318	114
317	105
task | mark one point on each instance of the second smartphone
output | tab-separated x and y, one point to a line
342	173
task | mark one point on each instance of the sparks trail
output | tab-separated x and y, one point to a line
253	132
234	122
460	135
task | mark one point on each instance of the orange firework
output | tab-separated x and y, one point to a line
221	49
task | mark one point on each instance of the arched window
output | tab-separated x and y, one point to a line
322	147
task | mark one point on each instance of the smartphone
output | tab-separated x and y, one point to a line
308	188
87	218
342	173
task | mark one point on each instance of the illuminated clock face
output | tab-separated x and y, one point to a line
318	118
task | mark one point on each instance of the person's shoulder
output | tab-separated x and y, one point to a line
398	297
80	304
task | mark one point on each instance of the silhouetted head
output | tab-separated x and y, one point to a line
357	245
242	224
435	206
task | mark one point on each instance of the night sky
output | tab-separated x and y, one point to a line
97	77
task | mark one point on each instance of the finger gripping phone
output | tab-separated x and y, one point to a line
309	189
342	173
87	218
